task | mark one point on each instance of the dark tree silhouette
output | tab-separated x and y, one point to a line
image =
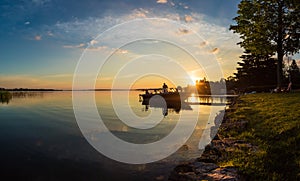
255	72
294	74
268	27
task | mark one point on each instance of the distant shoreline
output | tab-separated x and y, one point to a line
49	90
27	89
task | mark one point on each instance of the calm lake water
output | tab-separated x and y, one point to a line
40	138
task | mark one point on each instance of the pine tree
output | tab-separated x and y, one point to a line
294	74
256	72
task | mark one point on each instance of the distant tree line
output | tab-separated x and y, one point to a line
205	87
29	89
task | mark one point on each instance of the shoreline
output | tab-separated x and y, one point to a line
207	167
258	139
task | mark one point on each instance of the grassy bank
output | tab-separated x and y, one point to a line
273	131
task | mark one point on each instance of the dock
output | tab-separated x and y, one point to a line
216	100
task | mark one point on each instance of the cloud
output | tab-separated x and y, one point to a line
91	27
58	76
188	18
215	50
203	44
139	13
97	48
126	76
81	45
93	42
38	37
151	41
121	51
101	78
173	16
183	31
40	2
162	1
213	35
49	33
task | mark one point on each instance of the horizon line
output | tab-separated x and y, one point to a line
96	89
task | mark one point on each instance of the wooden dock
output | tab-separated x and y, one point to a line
216	100
189	98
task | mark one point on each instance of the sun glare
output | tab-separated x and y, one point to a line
194	79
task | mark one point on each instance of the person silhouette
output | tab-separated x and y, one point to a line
165	88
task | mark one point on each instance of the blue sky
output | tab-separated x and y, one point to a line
42	40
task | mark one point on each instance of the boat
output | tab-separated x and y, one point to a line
170	96
172	100
176	98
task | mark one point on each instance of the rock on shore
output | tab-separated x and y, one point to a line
206	167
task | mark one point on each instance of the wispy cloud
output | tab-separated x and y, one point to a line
215	50
38	37
161	1
139	13
101	78
188	18
182	31
58	76
121	51
213	35
97	48
173	16
40	2
94	45
203	44
49	33
93	42
81	45
126	76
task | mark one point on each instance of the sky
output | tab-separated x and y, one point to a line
44	42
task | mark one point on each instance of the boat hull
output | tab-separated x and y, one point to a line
168	97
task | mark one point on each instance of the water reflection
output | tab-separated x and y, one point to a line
211	99
166	106
5	97
39	134
27	94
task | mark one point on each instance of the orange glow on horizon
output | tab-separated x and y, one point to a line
152	82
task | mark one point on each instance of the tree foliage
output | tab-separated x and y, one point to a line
294	74
254	73
268	27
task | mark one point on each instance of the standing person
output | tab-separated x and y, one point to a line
165	88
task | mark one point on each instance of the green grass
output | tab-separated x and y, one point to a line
274	130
